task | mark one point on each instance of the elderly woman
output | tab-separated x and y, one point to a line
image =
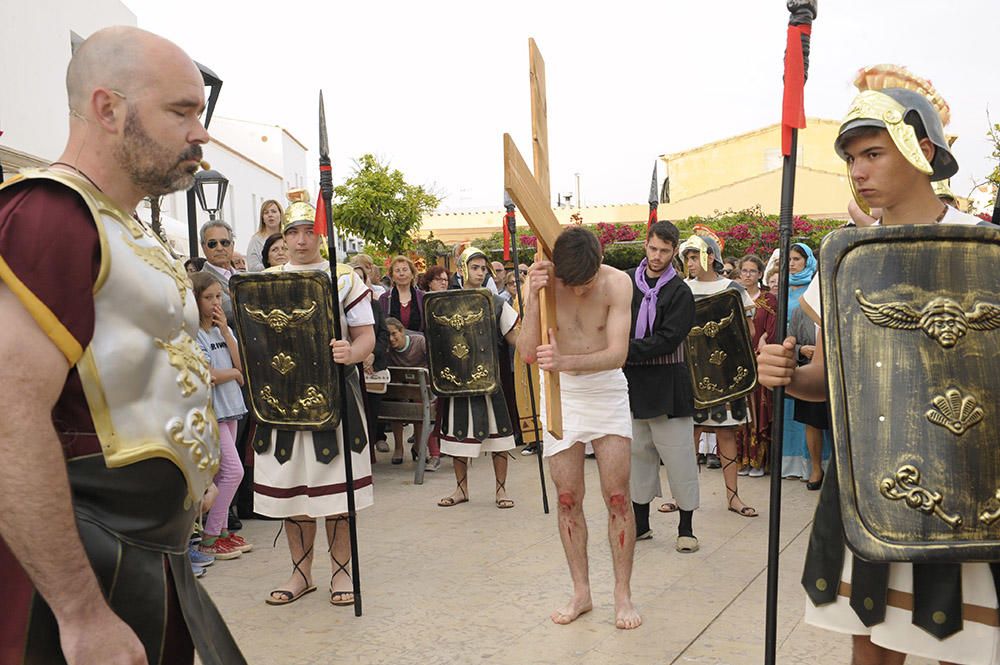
404	302
434	278
270	223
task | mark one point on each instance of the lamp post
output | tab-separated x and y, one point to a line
210	187
214	84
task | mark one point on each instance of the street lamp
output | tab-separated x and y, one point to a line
210	188
214	85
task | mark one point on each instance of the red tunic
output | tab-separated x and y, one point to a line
50	258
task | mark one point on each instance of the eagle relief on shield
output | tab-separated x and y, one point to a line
911	322
719	350
461	331
284	324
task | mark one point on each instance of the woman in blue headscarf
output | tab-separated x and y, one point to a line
795	462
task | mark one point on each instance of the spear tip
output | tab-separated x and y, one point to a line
324	148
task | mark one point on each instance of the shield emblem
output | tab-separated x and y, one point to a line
911	324
461	331
719	350
284	323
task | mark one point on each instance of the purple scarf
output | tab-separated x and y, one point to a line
647	311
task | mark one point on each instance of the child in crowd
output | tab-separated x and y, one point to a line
219	345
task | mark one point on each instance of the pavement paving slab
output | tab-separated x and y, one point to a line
474	585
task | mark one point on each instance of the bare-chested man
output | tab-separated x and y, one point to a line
588	349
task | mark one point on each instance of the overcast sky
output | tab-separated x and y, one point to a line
431	86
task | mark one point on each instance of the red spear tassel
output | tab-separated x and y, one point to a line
652	217
793	112
319	224
506	238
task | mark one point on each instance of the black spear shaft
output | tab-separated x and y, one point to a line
326	187
511	222
802	12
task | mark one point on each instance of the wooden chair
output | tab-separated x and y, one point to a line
408	399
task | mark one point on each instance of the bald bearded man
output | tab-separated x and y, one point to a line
108	438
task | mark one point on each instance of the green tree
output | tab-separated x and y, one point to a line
379	206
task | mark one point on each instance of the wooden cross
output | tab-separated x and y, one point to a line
531	194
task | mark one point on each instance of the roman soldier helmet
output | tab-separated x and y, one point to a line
703	241
466	256
900	112
897	100
299	211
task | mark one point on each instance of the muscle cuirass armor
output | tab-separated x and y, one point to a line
146	380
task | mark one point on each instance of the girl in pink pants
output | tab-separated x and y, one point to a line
219	345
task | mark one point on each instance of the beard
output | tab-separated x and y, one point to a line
153	169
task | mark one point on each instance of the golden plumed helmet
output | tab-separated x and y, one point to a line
299	210
703	241
466	256
893	98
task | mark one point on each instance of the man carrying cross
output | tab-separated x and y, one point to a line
588	349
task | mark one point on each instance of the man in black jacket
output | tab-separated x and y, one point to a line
659	386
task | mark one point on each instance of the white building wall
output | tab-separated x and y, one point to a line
35	47
294	166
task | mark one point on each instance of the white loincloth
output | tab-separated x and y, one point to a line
593	406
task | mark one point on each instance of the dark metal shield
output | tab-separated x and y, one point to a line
911	324
719	350
461	331
284	322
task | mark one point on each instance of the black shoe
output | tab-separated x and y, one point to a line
712	462
234	521
701	458
815	485
529	449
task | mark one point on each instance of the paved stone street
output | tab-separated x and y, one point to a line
474	584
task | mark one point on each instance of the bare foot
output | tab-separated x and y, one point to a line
577	605
626	616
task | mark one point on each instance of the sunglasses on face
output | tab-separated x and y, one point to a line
212	244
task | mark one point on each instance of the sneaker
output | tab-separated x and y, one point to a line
220	549
645	535
744	471
238	542
433	464
701	458
198	558
756	473
382	446
529	449
197	571
712	462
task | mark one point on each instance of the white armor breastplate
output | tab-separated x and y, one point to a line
146	380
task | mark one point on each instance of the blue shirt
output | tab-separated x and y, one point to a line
227	398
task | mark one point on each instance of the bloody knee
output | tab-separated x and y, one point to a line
618	505
568	502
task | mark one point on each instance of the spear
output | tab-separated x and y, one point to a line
802	13
510	231
654	201
326	218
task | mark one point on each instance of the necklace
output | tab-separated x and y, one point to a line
944	211
87	177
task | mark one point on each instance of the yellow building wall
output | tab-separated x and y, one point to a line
733	174
739	158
